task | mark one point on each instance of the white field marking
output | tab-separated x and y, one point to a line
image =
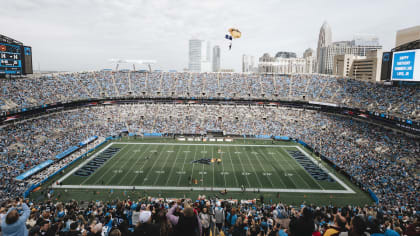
193	164
181	172
271	153
236	178
243	169
137	150
267	173
182	169
164	164
173	167
170	151
286	162
246	173
138	172
202	172
151	168
142	166
255	171
269	179
288	174
237	152
224	173
97	171
326	170
84	163
203	152
159	171
300	167
210	144
255	153
187	151
133	164
153	150
267	158
271	190
117	171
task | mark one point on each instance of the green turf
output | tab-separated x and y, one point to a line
169	164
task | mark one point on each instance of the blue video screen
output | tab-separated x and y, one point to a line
10	59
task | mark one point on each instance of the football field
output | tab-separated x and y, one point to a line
204	166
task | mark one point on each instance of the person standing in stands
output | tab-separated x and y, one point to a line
13	224
187	224
205	221
302	223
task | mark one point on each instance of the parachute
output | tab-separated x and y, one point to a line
233	34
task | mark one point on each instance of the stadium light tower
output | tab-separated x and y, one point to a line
134	62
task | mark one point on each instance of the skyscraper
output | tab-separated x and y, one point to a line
216	58
199	57
248	64
324	40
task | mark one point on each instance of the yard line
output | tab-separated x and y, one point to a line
243	169
109	180
202	170
183	165
281	167
274	170
233	170
326	170
301	167
223	166
173	167
151	168
267	177
97	170
135	165
192	169
258	179
141	168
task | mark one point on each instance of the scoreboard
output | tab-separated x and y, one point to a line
10	59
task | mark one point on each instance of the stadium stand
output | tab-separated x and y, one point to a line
385	162
399	101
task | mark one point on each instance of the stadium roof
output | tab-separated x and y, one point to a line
408	46
5	39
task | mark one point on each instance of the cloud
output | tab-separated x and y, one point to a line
84	34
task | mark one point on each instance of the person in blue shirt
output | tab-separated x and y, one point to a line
14	224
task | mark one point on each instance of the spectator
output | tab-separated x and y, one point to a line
187	223
14	224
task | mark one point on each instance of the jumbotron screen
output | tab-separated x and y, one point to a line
10	59
406	65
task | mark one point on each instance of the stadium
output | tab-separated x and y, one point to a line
96	152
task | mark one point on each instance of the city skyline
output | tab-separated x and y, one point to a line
84	35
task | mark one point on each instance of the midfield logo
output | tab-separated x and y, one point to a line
206	161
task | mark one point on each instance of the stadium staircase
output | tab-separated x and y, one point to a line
322	91
130	89
160	84
79	80
204	84
290	89
115	85
102	91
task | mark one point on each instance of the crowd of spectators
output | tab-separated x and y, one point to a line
382	160
400	101
185	217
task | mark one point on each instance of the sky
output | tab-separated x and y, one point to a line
80	35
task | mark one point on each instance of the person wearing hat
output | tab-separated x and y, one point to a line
145	226
13	224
